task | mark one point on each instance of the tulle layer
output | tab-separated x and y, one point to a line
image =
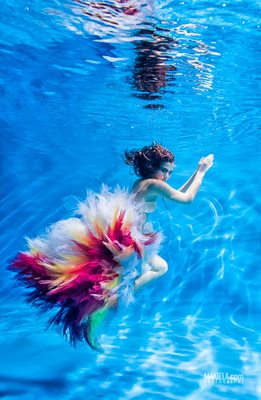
85	267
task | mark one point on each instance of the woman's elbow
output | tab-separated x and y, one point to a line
189	198
185	199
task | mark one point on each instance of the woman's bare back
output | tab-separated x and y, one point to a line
141	188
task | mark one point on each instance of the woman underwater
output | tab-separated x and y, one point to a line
154	164
85	268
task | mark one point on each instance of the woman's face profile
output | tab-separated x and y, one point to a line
164	172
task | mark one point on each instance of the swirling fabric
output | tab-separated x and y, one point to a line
85	267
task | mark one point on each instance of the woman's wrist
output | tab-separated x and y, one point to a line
200	174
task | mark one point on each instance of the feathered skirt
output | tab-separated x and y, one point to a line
80	264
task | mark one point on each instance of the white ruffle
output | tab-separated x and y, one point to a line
101	207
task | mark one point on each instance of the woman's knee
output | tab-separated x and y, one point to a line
164	267
158	264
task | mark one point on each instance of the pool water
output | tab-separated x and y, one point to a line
80	83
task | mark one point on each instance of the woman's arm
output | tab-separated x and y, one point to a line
162	189
186	185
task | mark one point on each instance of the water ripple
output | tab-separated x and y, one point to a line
80	81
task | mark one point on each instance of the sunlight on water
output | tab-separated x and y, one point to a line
80	82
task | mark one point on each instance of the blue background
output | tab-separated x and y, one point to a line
79	84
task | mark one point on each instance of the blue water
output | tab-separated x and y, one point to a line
82	81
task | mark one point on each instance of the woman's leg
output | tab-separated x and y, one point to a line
158	268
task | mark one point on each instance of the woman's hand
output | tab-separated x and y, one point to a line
205	163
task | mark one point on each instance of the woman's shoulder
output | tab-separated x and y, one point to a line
136	183
141	184
142	190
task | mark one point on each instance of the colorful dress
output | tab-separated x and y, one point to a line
79	263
